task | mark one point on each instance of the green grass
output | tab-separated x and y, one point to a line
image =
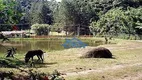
11	62
68	61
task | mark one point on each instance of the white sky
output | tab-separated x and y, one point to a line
58	0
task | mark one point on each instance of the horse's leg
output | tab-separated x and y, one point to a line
38	57
41	58
7	39
32	59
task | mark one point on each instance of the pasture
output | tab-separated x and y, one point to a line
126	65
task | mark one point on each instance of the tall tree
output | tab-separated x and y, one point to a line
40	13
8	14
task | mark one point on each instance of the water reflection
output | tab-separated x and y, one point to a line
49	45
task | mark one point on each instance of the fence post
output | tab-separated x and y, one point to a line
78	31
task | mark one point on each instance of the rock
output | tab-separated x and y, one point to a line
99	52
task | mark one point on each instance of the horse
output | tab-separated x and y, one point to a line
32	53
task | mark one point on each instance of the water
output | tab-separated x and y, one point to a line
46	45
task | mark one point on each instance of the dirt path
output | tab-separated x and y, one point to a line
117	67
138	77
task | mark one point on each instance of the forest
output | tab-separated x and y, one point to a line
111	18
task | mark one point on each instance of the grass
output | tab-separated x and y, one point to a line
120	74
126	53
10	62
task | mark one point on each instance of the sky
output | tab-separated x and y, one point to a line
58	0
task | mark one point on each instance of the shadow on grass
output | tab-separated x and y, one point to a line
97	58
11	63
14	63
37	64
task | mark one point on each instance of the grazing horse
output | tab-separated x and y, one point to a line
32	53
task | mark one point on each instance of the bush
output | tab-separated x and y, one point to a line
41	29
32	75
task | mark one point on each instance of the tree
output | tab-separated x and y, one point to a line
41	29
40	13
9	14
77	14
110	23
117	21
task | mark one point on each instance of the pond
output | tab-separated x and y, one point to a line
46	44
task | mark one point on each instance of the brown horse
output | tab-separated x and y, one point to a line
32	53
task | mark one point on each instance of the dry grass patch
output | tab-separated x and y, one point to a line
124	73
69	61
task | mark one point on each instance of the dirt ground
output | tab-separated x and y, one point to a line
133	74
126	65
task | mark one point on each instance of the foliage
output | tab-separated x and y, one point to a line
76	14
57	27
41	29
2	5
108	23
117	21
40	13
111	17
81	13
32	75
24	12
36	11
8	14
10	62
